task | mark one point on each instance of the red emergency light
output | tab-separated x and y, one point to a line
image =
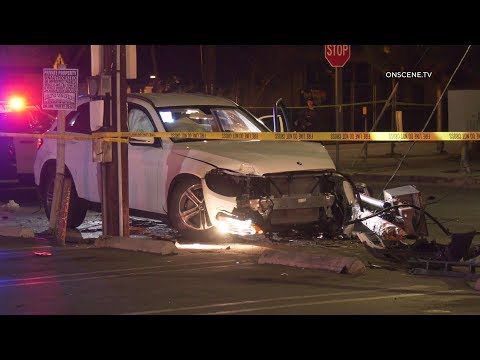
16	103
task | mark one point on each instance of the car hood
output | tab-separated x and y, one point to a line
258	157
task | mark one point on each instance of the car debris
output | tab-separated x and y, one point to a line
42	253
395	229
376	266
318	202
11	206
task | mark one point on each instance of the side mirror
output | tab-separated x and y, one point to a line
96	114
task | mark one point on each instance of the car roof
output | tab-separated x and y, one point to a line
6	108
183	99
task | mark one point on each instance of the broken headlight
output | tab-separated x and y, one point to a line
233	184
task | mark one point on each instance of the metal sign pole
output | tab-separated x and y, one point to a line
59	173
338	112
60	91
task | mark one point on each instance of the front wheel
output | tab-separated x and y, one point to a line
187	210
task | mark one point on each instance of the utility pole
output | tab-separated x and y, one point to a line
208	66
115	202
440	144
392	120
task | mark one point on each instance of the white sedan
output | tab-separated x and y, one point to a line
241	187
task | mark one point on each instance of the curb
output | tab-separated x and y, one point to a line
338	264
16	231
137	244
468	182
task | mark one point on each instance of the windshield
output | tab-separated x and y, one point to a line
208	119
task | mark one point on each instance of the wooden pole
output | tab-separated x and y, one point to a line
115	204
59	175
62	217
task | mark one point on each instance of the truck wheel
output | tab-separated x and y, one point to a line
77	209
187	211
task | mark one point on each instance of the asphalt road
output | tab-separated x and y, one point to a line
80	279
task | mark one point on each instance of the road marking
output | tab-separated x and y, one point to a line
314	303
55	250
18	187
338	301
113	270
14	250
286	298
54	278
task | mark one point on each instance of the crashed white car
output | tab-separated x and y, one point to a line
240	187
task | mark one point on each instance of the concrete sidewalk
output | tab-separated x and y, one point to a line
423	163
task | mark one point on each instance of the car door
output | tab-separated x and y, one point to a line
32	122
8	170
8	163
144	157
267	120
79	154
25	148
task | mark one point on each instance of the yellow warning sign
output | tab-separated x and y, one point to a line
58	61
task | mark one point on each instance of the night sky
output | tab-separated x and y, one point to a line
20	65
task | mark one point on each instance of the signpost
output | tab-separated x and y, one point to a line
60	92
337	56
60	89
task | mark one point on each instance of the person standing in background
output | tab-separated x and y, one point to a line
309	119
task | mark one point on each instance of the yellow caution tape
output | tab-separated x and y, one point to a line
306	136
268	136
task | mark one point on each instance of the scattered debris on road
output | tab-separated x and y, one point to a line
386	267
42	253
395	229
11	206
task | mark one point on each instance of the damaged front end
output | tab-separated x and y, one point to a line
395	228
282	201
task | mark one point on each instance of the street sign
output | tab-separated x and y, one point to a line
60	89
337	55
58	61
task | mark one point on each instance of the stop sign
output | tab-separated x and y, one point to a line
337	55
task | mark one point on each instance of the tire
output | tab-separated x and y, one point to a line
181	206
77	209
